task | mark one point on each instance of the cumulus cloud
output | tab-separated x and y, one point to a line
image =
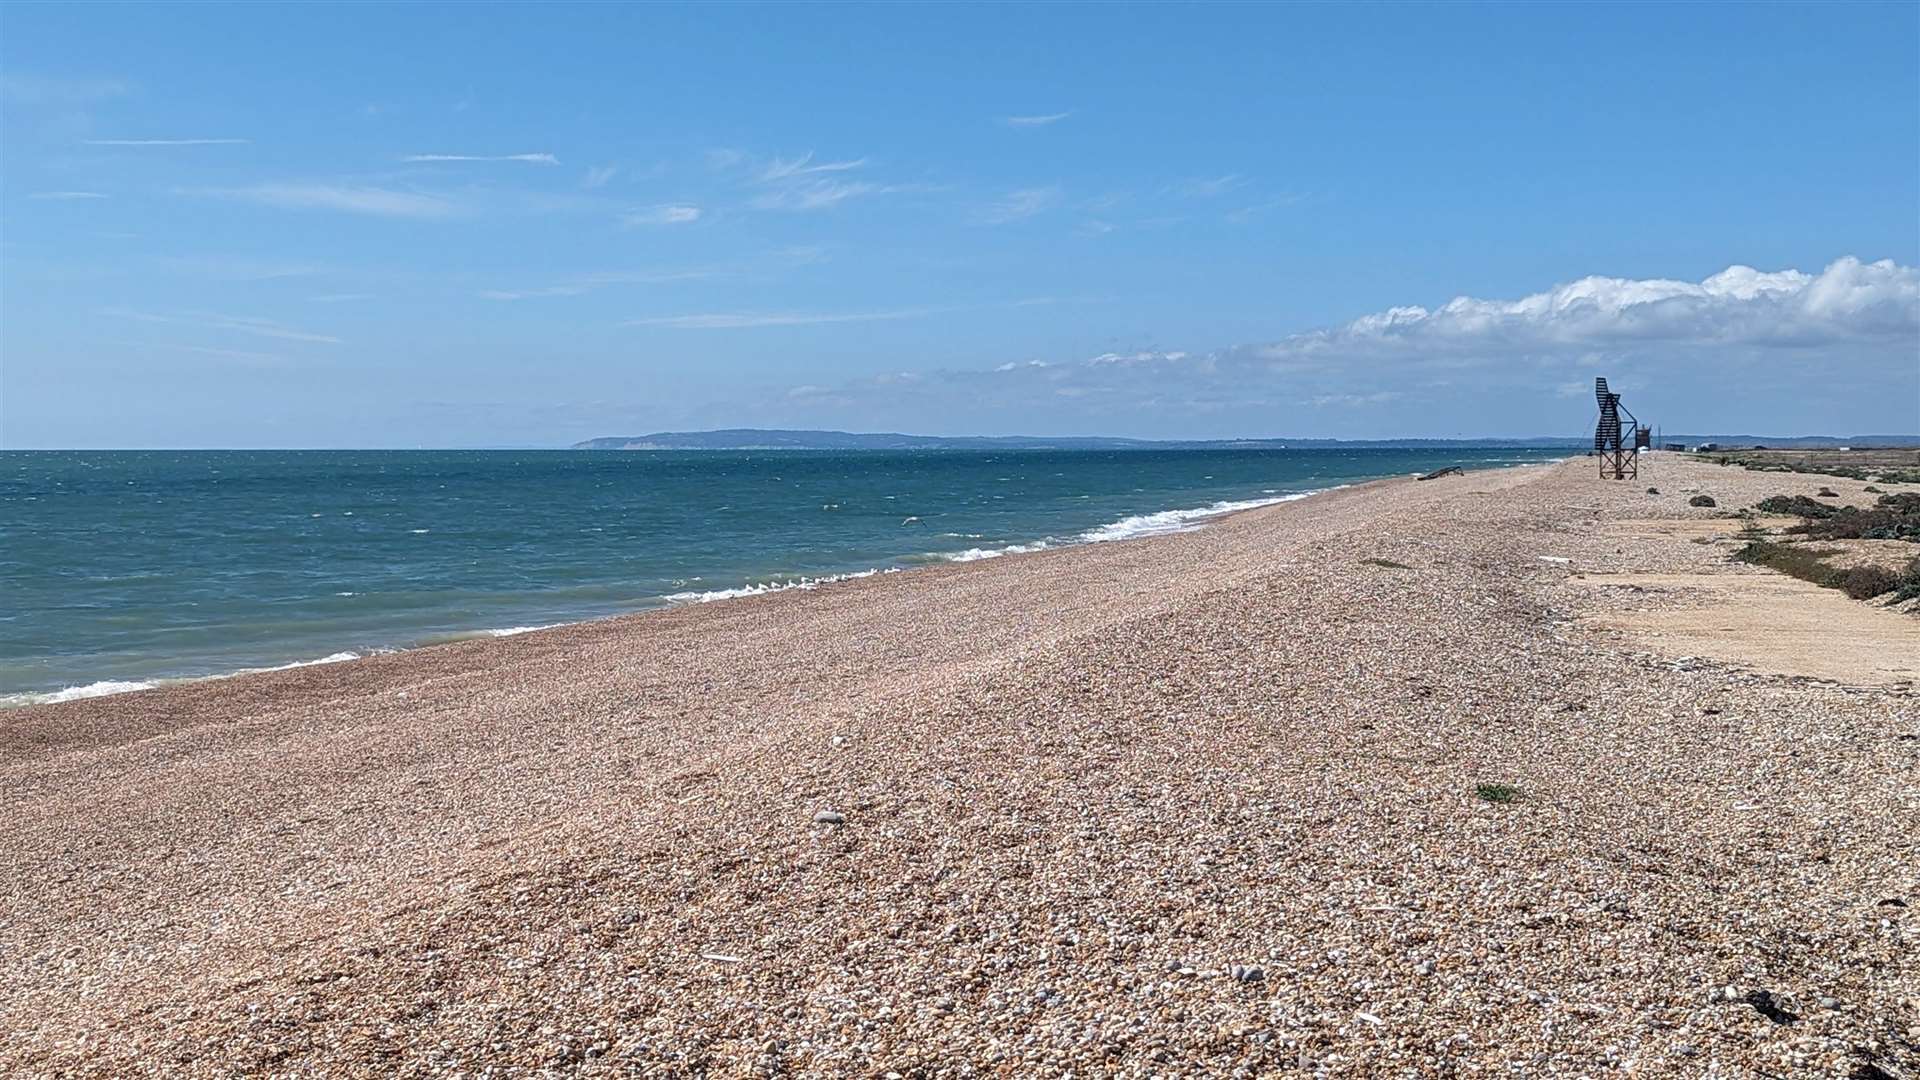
1849	300
1851	330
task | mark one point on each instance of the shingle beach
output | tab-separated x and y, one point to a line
1382	782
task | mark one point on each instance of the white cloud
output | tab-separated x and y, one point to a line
599	176
380	202
67	195
531	159
785	169
1852	330
1740	305
166	142
804	184
817	195
1035	121
582	284
240	324
1211	187
666	214
1019	205
242	356
739	321
47	90
339	298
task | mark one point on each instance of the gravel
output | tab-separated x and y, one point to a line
1199	804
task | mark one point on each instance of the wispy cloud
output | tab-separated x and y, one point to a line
239	324
66	195
1035	121
1019	205
745	321
816	195
530	159
1248	213
579	284
166	142
805	184
783	169
1210	187
339	298
48	90
380	202
666	214
599	176
247	357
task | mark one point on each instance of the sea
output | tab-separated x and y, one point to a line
123	570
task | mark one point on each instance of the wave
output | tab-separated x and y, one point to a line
76	693
764	587
1162	522
976	554
105	687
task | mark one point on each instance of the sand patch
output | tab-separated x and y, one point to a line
1766	621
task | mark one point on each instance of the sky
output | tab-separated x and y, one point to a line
438	226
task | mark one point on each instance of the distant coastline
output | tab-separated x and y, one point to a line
785	439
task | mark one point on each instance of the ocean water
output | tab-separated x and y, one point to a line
121	569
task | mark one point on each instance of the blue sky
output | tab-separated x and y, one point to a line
288	225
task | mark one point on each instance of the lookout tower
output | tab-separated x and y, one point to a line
1611	441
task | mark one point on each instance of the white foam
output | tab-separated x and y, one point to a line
1174	521
764	587
976	554
509	631
75	693
121	686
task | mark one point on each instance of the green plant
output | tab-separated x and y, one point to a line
1496	793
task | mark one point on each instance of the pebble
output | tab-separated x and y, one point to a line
828	817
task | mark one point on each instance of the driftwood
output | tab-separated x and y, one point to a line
1448	471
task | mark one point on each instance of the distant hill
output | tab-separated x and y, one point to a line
769	439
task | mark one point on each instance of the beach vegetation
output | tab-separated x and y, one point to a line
1810	564
1702	500
1892	517
1497	793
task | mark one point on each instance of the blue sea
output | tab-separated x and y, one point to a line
119	570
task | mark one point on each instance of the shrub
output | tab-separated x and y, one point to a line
1796	505
1866	582
1909	584
1702	500
1807	564
1496	793
1893	517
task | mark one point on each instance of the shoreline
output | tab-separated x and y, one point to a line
1209	802
1160	523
